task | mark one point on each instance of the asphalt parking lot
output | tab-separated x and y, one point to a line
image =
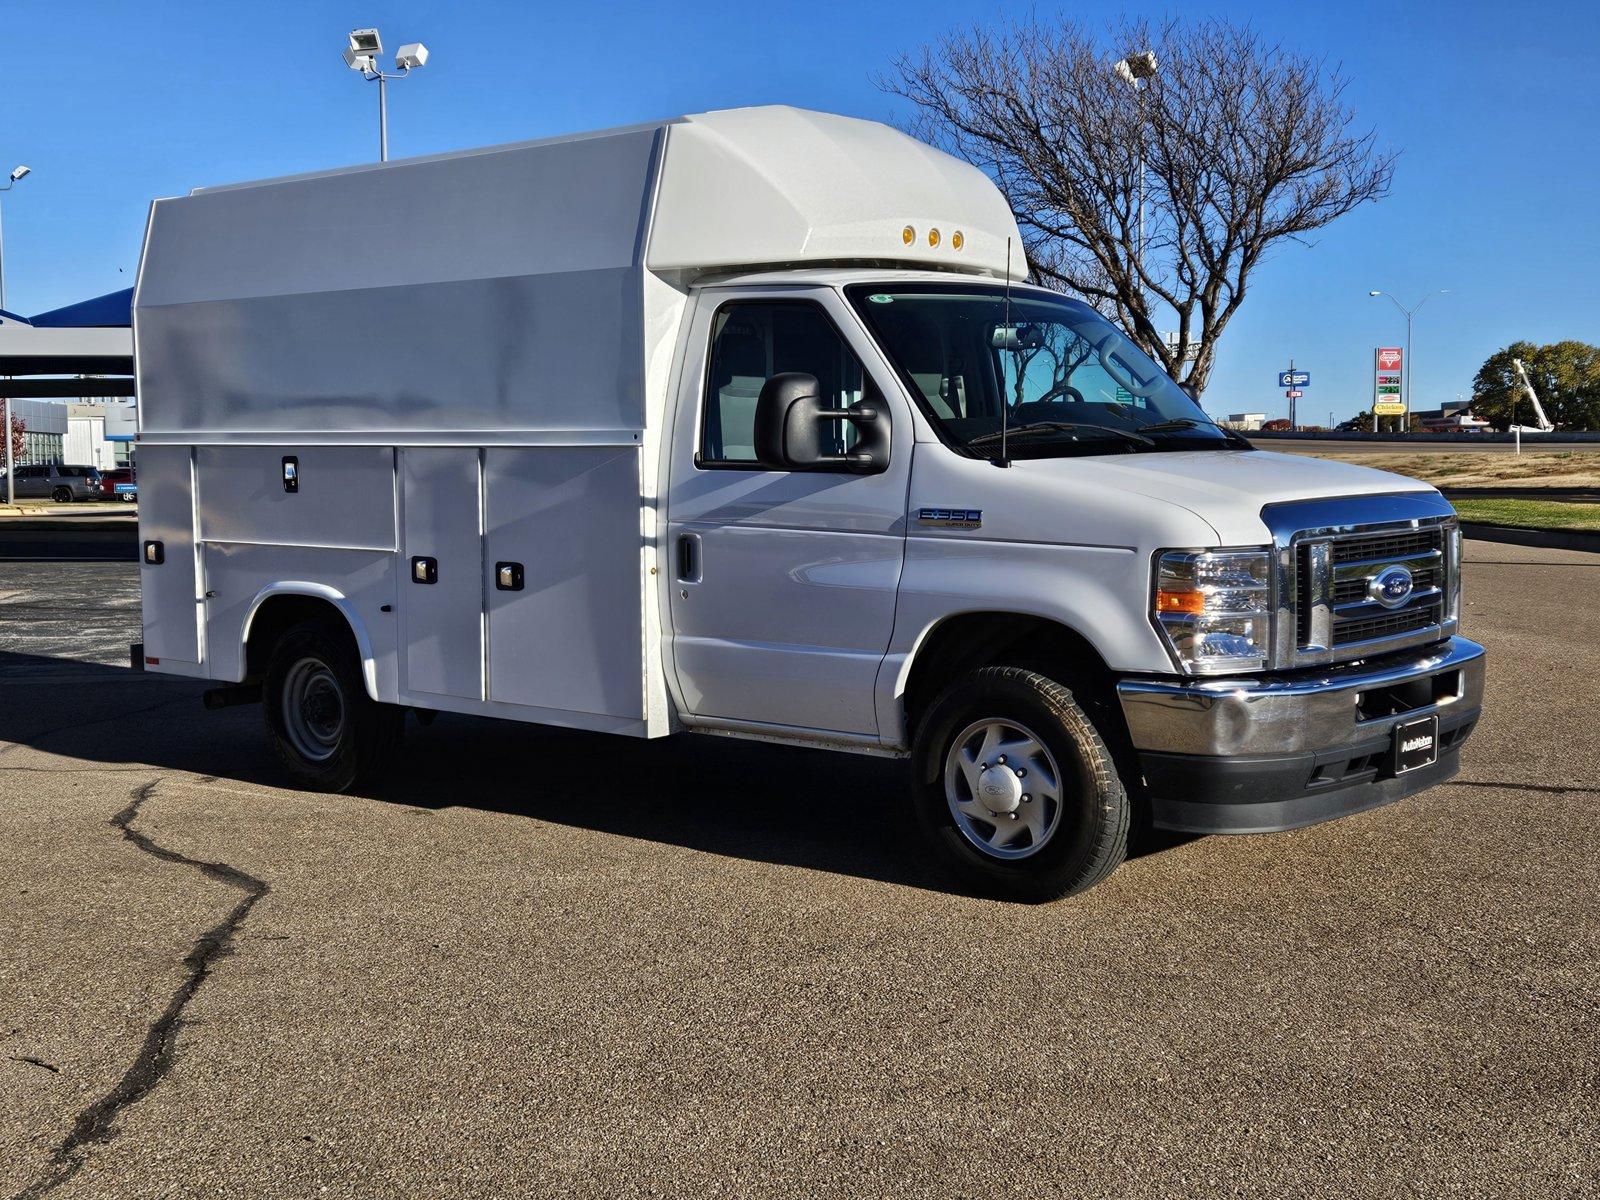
549	964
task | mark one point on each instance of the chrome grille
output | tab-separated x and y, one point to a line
1385	545
1366	629
1331	606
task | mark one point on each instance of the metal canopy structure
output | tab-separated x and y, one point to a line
93	337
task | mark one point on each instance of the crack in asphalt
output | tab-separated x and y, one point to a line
1523	787
96	1124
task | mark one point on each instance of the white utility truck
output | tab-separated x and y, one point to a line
744	423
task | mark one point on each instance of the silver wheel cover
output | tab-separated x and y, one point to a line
1003	787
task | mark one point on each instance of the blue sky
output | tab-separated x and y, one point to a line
1494	108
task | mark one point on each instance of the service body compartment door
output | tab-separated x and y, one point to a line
440	576
170	590
562	569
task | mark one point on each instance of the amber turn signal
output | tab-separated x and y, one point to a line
1181	602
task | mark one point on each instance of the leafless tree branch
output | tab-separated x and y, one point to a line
1245	144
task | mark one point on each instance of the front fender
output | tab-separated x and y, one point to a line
1095	591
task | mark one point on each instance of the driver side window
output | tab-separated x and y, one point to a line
753	340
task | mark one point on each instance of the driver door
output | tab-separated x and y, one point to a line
783	587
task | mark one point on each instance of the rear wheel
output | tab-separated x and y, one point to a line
62	495
1015	790
327	732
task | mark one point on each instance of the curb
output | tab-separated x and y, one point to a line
1549	539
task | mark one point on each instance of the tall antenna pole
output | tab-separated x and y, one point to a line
1005	324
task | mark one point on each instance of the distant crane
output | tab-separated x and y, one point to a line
1545	425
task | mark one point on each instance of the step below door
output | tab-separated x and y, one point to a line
441	573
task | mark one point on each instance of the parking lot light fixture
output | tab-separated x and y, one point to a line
1136	71
361	55
17	173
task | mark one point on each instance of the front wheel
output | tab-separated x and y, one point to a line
327	732
62	495
1015	791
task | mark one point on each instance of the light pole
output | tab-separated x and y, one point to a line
362	55
1405	377
1136	70
17	174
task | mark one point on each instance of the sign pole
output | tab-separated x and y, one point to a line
1292	426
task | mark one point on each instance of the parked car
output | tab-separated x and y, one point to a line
118	484
62	484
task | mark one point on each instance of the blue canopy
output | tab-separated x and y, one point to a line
114	309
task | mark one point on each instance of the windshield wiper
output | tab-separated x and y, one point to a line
1169	426
1177	423
989	439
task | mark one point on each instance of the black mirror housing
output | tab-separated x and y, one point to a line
791	428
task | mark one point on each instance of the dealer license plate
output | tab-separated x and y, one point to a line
1416	744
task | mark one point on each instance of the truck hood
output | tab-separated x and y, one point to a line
1227	489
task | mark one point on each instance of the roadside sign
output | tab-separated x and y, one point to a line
1294	379
1388	369
1294	393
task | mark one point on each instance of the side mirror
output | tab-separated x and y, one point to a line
791	429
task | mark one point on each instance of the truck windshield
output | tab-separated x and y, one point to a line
1070	382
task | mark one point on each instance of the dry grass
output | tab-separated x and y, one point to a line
1564	469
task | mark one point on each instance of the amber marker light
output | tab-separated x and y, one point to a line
933	237
908	235
1181	602
957	240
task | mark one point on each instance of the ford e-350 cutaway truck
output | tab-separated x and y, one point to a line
742	423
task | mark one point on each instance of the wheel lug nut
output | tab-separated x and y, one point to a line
1001	759
1026	798
1021	771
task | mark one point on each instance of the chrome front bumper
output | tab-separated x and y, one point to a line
1258	754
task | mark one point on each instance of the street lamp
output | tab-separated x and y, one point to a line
1405	377
361	55
1136	71
17	173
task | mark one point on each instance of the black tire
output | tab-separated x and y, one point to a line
1088	836
62	495
313	670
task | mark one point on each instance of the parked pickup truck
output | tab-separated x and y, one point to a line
746	423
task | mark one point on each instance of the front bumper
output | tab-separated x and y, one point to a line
1280	751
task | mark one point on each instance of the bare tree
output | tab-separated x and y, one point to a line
1244	144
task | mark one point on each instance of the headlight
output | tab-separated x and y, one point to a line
1214	608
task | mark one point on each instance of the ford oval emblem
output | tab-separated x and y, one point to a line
1391	587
